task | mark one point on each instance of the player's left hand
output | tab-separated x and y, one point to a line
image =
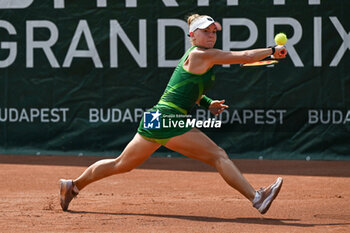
217	106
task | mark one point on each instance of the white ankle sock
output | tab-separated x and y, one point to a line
75	189
257	197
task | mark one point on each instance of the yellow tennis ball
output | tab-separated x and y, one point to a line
280	38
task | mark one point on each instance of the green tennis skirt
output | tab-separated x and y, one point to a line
164	134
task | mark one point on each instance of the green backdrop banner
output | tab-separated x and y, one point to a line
76	76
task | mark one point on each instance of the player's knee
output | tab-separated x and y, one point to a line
222	157
122	166
219	155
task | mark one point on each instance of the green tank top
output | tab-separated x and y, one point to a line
185	88
182	92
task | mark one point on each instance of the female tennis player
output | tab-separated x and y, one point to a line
192	77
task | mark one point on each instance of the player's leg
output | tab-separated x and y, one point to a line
135	153
195	144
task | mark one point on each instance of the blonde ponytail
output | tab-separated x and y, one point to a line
191	18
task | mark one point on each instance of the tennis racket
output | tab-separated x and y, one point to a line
260	63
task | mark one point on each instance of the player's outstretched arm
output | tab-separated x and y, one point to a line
220	57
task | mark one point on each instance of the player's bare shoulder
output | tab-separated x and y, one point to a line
202	53
197	61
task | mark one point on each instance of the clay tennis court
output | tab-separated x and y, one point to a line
172	195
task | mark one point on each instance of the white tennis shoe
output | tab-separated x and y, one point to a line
267	195
66	193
